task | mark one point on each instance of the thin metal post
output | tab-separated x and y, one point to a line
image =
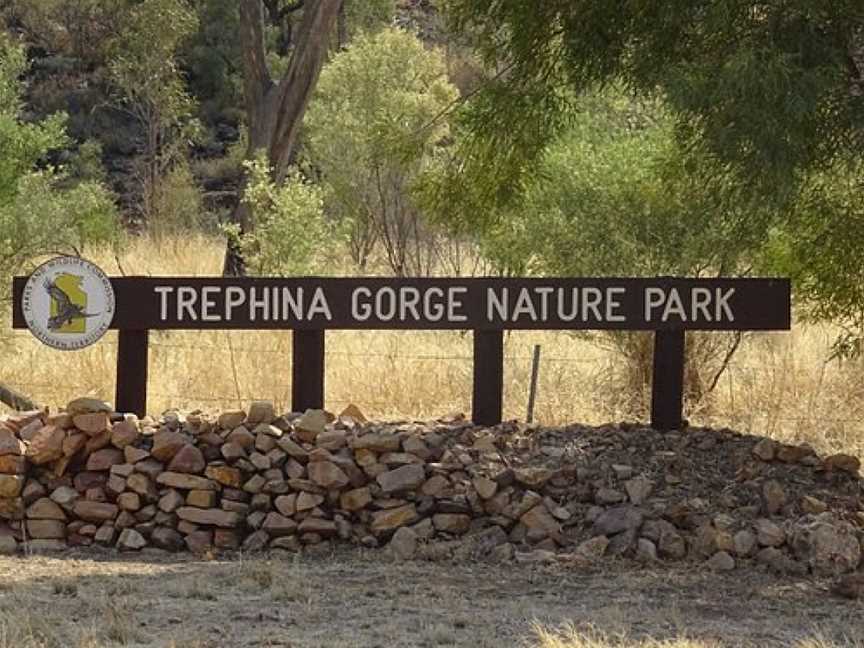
532	391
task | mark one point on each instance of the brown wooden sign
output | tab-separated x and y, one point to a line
488	306
479	304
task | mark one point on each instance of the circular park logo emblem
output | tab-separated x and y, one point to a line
68	303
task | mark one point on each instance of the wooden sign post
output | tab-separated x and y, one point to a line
487	306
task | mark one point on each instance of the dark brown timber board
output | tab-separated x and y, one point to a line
446	303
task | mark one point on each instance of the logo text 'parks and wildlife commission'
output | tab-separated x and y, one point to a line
68	303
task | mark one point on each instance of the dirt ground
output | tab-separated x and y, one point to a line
87	600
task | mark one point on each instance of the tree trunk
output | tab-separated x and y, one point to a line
274	110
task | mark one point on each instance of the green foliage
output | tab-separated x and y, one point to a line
72	29
289	229
364	16
372	134
143	64
822	249
771	87
612	197
41	211
145	69
212	57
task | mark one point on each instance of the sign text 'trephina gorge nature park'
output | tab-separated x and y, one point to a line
447	303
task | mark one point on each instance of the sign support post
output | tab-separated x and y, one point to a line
307	369
488	377
132	361
667	381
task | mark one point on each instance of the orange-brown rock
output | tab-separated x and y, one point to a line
47	445
92	423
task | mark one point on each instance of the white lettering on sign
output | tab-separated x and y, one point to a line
664	306
408	304
450	304
542	303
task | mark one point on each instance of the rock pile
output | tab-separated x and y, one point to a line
253	480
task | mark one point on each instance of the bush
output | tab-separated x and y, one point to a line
289	230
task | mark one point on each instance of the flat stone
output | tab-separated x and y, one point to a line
402	479
318	526
255	542
166	538
134	455
45	509
87	405
403	544
201	498
486	488
377	442
231	419
721	562
539	519
46	545
769	534
242	437
292	449
276	524
638	489
131	540
11	485
199	541
225	475
593	548
260	411
167	443
607	496
13	464
129	501
188	460
211	517
765	449
124	433
65	496
745	543
11	508
331	439
104	459
310	424
73	443
454	523
327	475
46	529
94	511
646	551
46	445
182	480
286	504
307	501
227	538
392	519
356	499
842	462
618	519
10	444
92	423
354	413
8	545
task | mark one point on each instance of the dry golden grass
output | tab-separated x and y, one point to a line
572	637
780	383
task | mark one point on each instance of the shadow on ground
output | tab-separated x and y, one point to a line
85	599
